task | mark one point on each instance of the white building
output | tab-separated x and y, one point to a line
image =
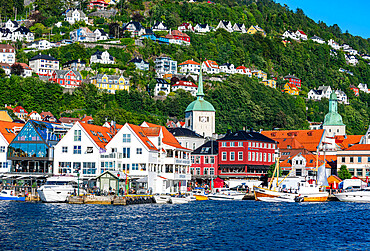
101	34
35	116
165	65
41	45
43	65
318	39
325	92
189	66
350	51
73	16
79	150
239	28
243	70
101	58
301	35
7	54
187	138
351	59
8	131
162	85
11	25
27	71
226	25
202	28
363	87
83	34
185	27
159	26
186	86
228	68
289	34
333	44
210	67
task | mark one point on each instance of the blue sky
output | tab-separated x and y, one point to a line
349	15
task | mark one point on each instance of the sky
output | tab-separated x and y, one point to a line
353	16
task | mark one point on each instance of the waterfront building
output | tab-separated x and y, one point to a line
187	138
245	154
200	115
8	131
204	162
79	150
302	165
44	65
333	122
357	160
32	150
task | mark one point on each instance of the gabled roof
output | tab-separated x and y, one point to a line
7	48
184	132
161	81
247	135
211	64
98	134
185	83
23	65
289	143
310	139
44	114
310	161
87	119
292	86
190	61
208	148
7	130
291	76
20	109
45	57
346	141
137	60
179	33
203	26
359	147
69	120
137	25
143	136
301	32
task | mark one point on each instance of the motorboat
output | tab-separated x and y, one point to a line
226	194
162	198
178	199
10	195
59	188
354	195
199	193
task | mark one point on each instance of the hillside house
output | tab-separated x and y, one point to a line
73	16
66	78
189	66
101	58
186	86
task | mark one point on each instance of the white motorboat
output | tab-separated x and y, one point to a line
354	195
226	194
162	199
59	188
179	199
10	195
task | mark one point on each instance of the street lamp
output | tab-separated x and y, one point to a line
118	174
78	183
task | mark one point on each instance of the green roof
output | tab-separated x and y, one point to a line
333	117
200	105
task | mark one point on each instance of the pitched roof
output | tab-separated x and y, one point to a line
247	135
69	120
346	141
137	60
44	114
310	139
161	81
4	116
7	129
99	134
184	132
87	119
190	61
291	76
46	57
20	109
359	147
185	83
23	65
302	32
289	143
179	33
310	161
208	148
143	136
7	48
211	64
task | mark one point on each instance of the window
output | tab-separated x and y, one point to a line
264	157
249	156
93	132
298	172
260	156
359	160
212	160
223	155
240	155
205	171
89	168
232	156
359	172
197	160
256	156
126	138
2	149
240	144
192	159
351	159
368	159
223	144
76	149
64	167
232	144
135	167
76	167
77	135
253	144
206	160
343	159
139	151
212	171
253	156
269	157
249	144
64	149
126	152
89	149
197	171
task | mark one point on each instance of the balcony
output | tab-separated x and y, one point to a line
115	155
176	176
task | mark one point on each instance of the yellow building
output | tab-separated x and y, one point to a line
111	83
291	89
270	82
254	29
259	74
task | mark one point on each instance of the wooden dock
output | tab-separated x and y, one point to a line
111	200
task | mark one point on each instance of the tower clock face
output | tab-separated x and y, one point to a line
203	119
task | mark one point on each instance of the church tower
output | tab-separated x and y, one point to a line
200	115
333	122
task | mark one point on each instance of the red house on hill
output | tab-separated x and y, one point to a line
245	154
66	78
293	80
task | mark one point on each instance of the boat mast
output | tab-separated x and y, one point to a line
275	171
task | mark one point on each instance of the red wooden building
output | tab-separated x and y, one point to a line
245	154
204	161
66	78
293	80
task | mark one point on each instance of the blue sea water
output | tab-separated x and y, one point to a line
206	225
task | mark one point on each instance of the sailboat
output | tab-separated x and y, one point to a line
306	192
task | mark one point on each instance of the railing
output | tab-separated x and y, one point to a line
111	156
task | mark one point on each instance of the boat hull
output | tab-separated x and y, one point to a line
358	196
161	199
201	197
56	193
178	200
261	194
15	198
225	197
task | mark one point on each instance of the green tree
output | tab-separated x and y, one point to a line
270	172
343	173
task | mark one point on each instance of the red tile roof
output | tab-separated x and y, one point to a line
302	32
359	147
19	108
185	83
189	62
345	141
87	119
24	66
143	136
179	33
7	48
211	64
9	136
69	120
310	161
97	130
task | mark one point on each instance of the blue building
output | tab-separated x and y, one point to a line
32	150
155	38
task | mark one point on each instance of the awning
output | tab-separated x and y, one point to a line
142	180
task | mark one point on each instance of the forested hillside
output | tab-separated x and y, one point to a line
239	101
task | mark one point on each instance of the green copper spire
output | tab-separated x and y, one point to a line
200	93
333	117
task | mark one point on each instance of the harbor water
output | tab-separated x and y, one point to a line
206	225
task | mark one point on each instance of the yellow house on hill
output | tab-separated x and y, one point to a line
259	74
111	83
254	29
270	82
291	89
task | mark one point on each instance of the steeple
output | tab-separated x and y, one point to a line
200	93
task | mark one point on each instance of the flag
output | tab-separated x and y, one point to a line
321	176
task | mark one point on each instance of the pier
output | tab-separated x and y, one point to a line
111	200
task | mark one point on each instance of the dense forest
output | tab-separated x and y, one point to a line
239	101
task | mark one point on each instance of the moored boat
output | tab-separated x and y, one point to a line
178	199
10	195
354	195
226	194
162	199
199	193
